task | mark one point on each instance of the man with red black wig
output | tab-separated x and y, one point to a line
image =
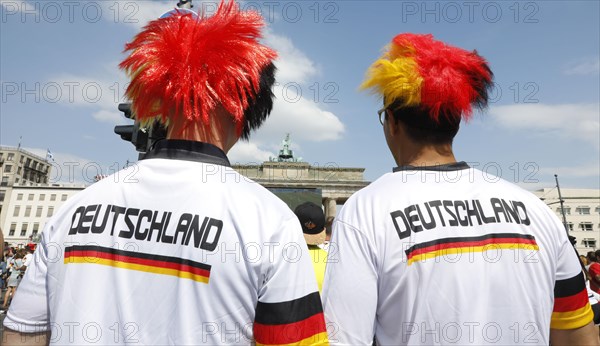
179	249
437	252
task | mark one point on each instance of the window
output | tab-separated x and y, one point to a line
30	197
50	211
597	210
13	228
17	210
53	197
10	156
4	181
2	195
63	198
567	211
36	227
18	170
38	212
570	225
20	197
585	226
27	211
589	242
42	197
583	210
7	168
23	229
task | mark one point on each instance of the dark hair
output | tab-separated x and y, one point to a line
261	104
591	255
421	128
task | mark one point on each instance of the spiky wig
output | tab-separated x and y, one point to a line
417	71
183	66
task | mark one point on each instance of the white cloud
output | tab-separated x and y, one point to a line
574	121
302	118
295	110
584	67
245	152
292	64
100	95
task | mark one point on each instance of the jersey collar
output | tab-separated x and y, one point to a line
456	166
175	149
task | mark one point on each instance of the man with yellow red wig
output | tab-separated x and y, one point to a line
437	252
179	249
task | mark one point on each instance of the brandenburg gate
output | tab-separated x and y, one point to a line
334	184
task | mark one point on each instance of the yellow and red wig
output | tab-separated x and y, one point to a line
419	72
183	66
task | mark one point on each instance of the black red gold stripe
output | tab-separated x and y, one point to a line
571	304
456	245
149	263
297	322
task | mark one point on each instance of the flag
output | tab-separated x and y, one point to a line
49	156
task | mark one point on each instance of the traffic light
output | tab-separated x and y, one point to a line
141	137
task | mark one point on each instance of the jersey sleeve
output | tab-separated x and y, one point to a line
571	304
350	287
28	311
289	309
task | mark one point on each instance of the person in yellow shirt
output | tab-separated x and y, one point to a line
312	219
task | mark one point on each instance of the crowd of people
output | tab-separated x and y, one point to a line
12	268
413	258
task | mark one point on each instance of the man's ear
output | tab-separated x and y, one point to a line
391	122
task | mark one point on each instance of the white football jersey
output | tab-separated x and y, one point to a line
448	255
177	249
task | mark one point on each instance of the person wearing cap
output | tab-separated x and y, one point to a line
179	249
312	220
437	252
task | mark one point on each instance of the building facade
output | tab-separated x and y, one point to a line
18	166
582	214
336	184
28	207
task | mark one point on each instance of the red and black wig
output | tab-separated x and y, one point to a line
183	66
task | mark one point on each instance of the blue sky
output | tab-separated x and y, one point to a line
60	84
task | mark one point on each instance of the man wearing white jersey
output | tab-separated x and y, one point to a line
179	249
437	252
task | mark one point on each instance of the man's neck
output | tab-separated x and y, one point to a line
425	155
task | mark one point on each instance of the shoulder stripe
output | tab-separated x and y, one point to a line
571	303
309	329
569	287
290	311
573	319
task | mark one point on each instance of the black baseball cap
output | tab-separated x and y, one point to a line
312	219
